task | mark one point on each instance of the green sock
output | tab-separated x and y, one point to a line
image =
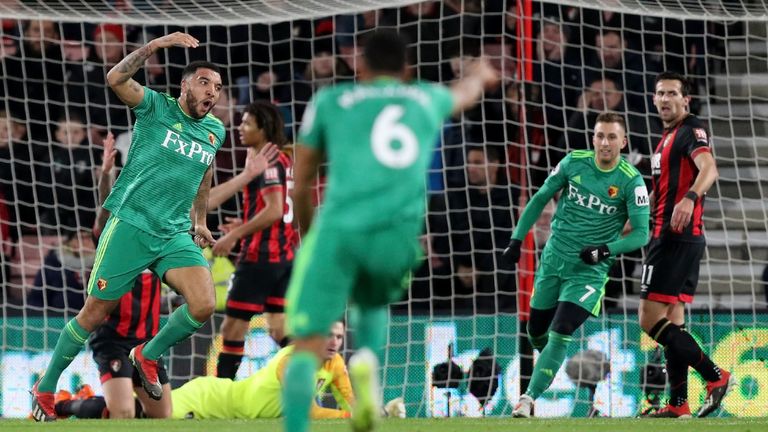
539	342
180	326
548	363
70	342
370	326
298	390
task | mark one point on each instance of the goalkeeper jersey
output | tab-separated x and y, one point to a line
594	204
170	152
259	396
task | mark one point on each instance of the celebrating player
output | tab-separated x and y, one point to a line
600	191
267	239
168	172
683	170
378	138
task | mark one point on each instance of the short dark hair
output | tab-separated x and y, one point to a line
610	117
385	51
269	119
685	85
198	64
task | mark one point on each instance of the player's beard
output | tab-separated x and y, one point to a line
194	105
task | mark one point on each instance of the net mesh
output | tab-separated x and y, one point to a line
561	64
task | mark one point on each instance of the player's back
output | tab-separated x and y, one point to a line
379	139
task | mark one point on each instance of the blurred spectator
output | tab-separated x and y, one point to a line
17	171
630	71
35	78
597	21
60	283
70	190
476	228
87	85
604	95
558	72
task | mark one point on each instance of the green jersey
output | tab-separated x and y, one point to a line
379	139
593	207
170	152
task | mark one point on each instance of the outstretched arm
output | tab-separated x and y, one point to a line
255	164
120	76
468	90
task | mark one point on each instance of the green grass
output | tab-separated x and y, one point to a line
409	425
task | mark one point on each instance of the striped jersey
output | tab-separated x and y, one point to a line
276	243
137	316
169	154
674	172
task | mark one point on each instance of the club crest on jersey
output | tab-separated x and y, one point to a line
613	191
666	141
211	139
271	174
701	134
101	284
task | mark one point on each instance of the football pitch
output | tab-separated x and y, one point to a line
409	425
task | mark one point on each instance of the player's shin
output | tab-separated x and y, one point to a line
298	390
180	326
370	326
70	342
549	362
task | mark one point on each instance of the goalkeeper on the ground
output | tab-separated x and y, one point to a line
257	396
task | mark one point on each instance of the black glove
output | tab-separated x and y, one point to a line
512	252
594	254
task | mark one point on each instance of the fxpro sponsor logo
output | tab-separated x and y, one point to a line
589	201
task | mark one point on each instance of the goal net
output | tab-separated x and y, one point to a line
456	344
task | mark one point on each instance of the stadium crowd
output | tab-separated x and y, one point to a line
56	109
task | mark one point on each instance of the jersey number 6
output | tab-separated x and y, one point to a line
387	130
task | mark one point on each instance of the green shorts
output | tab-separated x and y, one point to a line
370	268
125	251
558	280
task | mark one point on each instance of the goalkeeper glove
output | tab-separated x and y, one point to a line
512	252
394	408
594	254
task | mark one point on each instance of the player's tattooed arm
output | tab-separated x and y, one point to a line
119	77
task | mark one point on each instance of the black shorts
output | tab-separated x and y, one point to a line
257	288
671	271
110	352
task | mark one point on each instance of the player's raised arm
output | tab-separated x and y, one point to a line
119	77
468	90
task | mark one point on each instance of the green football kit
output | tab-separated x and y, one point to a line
151	200
593	207
379	140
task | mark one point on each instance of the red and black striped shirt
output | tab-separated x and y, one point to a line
276	243
674	172
138	314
